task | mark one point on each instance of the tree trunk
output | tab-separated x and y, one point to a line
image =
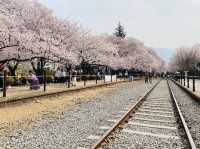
12	69
39	68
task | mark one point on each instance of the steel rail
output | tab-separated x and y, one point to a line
124	118
186	129
26	98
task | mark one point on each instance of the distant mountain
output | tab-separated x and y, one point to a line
164	53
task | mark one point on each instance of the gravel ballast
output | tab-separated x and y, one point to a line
69	129
190	109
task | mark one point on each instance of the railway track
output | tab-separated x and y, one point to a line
9	101
154	121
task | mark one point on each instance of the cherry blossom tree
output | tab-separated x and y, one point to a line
136	55
30	32
36	33
185	58
96	50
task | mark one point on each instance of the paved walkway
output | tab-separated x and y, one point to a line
24	91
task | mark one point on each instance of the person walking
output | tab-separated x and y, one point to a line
146	78
58	75
150	78
34	81
74	78
63	76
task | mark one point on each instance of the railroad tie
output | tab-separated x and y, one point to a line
93	137
159	115
154	120
152	126
155	111
112	120
104	127
150	134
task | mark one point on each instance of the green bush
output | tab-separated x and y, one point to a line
50	76
11	80
14	80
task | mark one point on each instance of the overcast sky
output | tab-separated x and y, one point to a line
158	23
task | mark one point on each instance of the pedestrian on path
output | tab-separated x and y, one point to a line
58	75
34	81
74	78
63	76
150	78
146	78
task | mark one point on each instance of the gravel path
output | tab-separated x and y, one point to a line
68	129
151	129
191	112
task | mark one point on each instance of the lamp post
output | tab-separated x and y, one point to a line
44	79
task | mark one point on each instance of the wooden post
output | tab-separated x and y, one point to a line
104	79
193	83
69	82
44	79
4	83
111	78
188	82
116	78
181	79
85	80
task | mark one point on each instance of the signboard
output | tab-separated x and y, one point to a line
107	78
114	77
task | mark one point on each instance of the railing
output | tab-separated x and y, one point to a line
19	85
191	82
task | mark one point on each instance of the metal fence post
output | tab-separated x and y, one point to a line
184	80
181	79
44	79
69	81
4	83
193	83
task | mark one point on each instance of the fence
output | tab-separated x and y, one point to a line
191	82
12	86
